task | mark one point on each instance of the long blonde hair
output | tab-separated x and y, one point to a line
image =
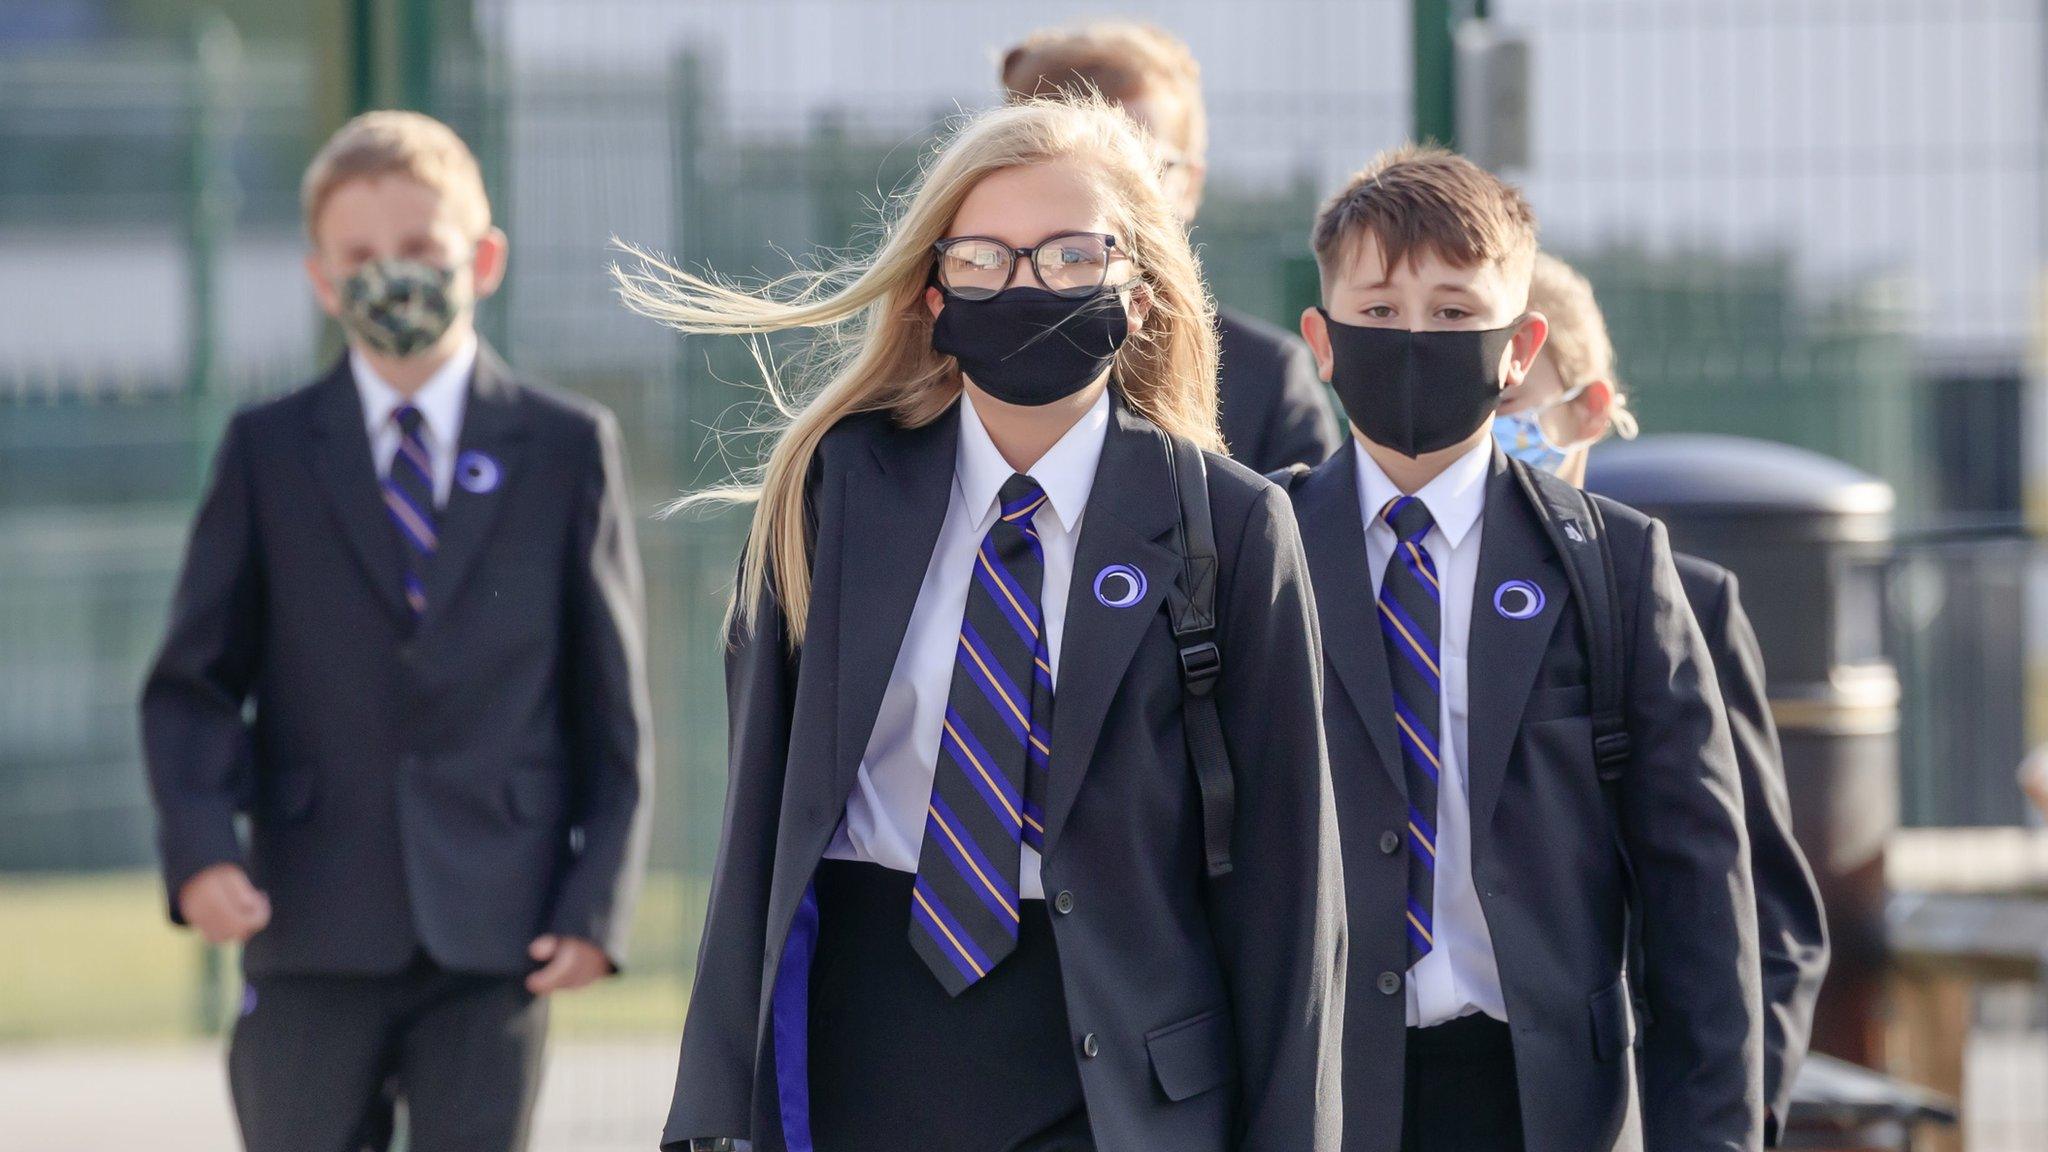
870	315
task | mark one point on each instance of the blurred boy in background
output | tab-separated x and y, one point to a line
1569	401
407	643
1275	411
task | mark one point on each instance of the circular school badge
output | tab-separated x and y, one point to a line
477	472
1119	586
1518	600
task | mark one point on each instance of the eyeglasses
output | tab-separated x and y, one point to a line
1071	264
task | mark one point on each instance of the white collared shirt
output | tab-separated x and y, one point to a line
885	815
1459	976
441	401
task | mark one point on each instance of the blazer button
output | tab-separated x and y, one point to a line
1390	843
1090	1047
1063	903
1389	983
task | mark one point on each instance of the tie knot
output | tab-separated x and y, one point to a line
409	420
1408	517
1020	498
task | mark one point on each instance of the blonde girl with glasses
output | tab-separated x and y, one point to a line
962	900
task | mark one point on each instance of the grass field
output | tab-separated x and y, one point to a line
93	958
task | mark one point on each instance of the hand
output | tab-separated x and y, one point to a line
223	905
569	962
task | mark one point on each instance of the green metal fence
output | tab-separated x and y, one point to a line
149	189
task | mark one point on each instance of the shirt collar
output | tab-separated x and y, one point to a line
1066	472
440	399
1455	498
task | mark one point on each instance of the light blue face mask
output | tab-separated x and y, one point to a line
1521	436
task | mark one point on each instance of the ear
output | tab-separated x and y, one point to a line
488	264
323	289
1138	305
1530	334
1316	331
1198	182
934	301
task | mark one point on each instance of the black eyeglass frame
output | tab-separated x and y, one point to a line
1027	256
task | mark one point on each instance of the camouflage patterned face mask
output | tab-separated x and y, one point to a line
401	307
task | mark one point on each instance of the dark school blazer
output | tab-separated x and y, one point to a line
1276	411
1791	928
1543	856
1206	1015
462	785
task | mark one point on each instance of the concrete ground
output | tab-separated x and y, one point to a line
611	1095
599	1096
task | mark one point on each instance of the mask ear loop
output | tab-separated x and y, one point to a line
1559	401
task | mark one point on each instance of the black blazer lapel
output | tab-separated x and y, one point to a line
493	435
895	505
340	457
1333	535
1503	654
1131	508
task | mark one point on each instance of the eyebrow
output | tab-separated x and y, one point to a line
1442	286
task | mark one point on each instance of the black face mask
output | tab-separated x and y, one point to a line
1028	346
1416	392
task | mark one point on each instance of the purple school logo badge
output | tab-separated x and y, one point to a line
1119	586
1518	600
477	472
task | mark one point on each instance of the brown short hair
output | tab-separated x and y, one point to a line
1122	59
1578	344
1413	199
395	143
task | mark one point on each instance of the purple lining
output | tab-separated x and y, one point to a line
790	1018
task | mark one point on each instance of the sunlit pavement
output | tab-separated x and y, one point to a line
599	1096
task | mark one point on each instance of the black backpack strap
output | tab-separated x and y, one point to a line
1578	532
1191	608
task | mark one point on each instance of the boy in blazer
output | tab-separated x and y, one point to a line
1569	401
1488	1007
406	643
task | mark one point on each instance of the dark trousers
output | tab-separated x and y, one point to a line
1459	1094
896	1063
312	1057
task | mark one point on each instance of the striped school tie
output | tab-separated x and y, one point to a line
988	789
409	497
1411	615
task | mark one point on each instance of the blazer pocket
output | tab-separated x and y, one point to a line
1614	1030
285	796
1193	1056
1557	703
537	795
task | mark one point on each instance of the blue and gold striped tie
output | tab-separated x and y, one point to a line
1411	620
988	790
409	497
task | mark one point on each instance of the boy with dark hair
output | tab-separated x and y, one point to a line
1487	863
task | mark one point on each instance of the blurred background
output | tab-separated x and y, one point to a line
1815	222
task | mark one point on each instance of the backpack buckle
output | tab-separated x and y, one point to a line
1200	666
